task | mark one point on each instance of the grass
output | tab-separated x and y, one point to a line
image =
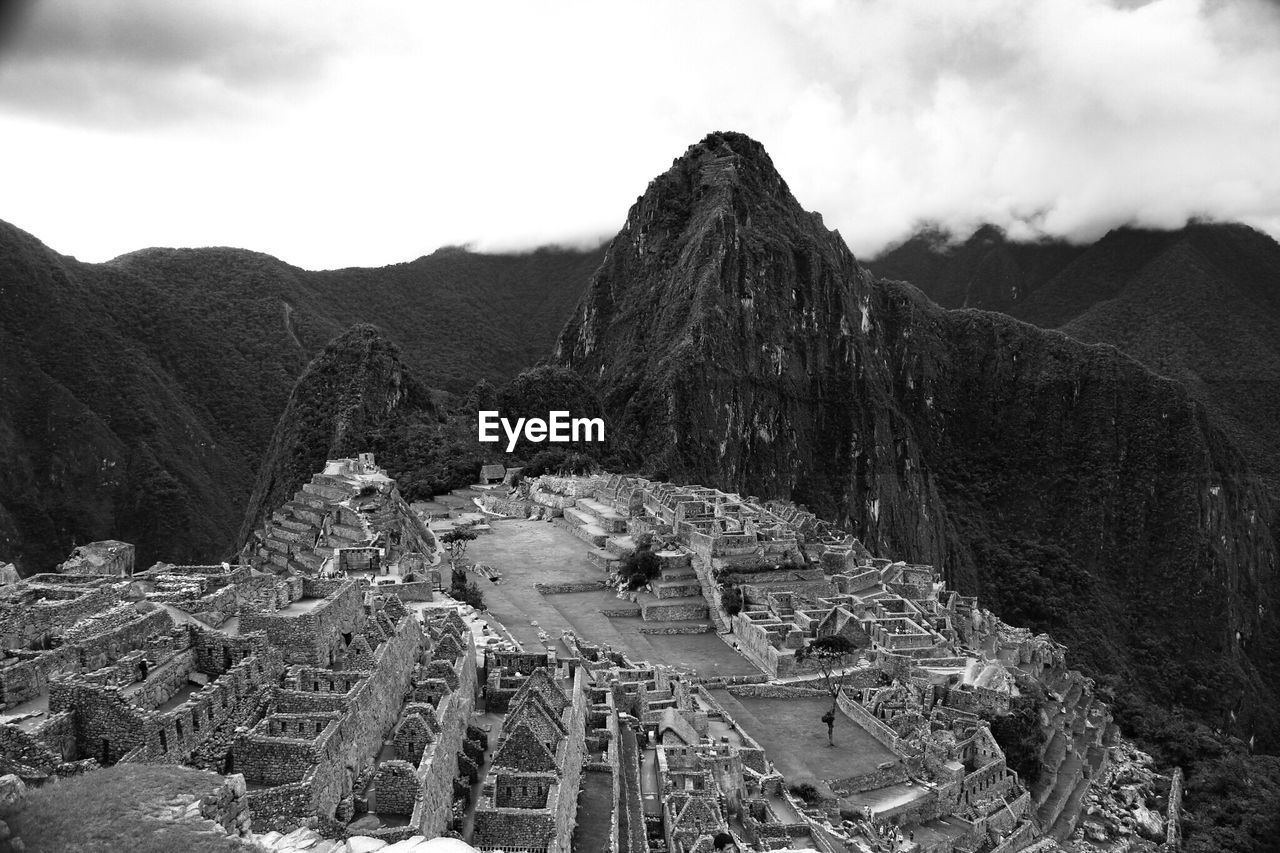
119	808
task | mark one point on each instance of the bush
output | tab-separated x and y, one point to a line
1021	738
731	600
465	590
807	792
640	566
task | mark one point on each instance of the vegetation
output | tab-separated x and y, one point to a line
94	812
806	792
1021	738
731	599
148	388
833	656
465	590
455	542
1232	799
640	566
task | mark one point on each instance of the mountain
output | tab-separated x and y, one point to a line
137	397
1200	304
735	341
356	387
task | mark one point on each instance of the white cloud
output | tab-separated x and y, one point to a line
370	134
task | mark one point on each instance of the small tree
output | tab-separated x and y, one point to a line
731	599
833	656
455	543
641	566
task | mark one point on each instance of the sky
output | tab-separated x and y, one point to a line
362	134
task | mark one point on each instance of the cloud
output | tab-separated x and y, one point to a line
136	63
1063	117
334	135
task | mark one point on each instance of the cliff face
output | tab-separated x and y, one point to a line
353	390
735	341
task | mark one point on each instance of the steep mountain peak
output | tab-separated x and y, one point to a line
721	185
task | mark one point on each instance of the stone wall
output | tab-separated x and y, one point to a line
1173	818
439	763
374	709
99	648
340	752
395	785
25	748
41	610
228	806
777	691
889	773
285	748
557	588
25	675
281	808
165	679
316	636
213	609
108	725
861	716
217	653
417	590
269	592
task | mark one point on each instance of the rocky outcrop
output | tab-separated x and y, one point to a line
735	341
1128	805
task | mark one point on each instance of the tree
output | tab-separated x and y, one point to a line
731	599
833	656
641	566
455	542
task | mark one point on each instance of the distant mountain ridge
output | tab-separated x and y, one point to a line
138	396
1200	304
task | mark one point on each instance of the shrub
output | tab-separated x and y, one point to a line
640	566
1021	738
807	792
731	600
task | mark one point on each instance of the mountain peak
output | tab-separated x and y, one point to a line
723	183
354	388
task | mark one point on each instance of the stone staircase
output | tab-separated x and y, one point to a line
594	522
1079	731
677	593
294	536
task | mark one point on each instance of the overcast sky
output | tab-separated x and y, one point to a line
341	134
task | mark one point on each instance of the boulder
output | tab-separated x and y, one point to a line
364	844
1149	823
13	794
408	845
